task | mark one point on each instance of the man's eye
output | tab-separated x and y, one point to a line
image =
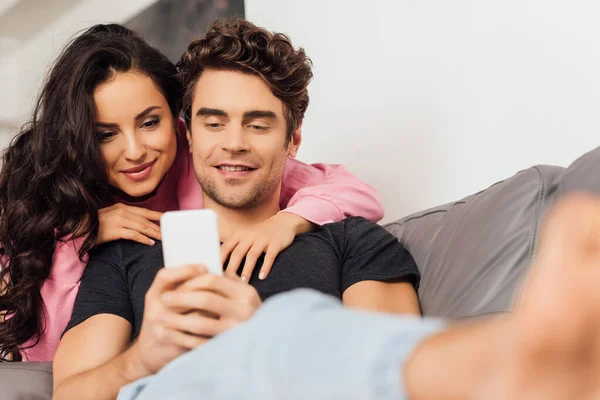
150	124
105	136
258	128
213	126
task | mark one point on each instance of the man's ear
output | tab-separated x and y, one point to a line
295	142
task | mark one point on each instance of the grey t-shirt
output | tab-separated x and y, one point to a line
330	260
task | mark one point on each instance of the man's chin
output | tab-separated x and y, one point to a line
234	194
235	199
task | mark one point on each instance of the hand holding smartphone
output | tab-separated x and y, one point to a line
191	237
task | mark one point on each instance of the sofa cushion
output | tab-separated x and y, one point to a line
25	381
472	254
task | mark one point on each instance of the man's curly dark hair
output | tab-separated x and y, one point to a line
239	45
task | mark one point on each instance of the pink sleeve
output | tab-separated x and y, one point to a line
58	296
323	193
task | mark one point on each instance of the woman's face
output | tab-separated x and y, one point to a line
136	132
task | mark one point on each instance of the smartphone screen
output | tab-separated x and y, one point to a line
191	237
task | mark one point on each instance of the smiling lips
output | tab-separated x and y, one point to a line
234	170
140	172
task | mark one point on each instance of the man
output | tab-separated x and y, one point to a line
245	101
305	346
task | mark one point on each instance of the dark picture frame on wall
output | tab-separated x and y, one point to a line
171	25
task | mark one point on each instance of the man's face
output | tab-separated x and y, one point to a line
238	139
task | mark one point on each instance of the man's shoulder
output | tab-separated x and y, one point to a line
356	233
351	226
121	252
347	231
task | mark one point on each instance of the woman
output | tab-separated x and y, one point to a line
70	182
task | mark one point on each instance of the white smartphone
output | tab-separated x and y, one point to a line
191	237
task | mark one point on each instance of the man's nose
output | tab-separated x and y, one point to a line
235	140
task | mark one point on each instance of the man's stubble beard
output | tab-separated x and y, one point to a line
247	199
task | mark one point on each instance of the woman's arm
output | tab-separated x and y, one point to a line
324	193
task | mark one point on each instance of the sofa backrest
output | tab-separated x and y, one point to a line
472	253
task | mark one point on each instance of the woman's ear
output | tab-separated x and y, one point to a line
188	135
295	142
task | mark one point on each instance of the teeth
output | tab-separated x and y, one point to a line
233	169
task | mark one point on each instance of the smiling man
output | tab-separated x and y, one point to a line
246	95
240	143
237	171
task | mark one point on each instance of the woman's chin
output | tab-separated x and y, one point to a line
137	192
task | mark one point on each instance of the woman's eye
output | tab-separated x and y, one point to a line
105	136
150	124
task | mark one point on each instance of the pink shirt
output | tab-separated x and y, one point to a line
319	193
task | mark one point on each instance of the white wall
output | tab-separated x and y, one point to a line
23	66
432	100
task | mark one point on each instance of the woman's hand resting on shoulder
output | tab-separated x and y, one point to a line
128	222
270	237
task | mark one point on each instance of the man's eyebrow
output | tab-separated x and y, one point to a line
137	118
210	112
259	114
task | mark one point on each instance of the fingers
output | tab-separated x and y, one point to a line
145	213
183	339
226	286
253	251
237	256
270	256
125	222
252	257
169	278
227	247
226	297
135	236
199	300
196	324
142	212
142	225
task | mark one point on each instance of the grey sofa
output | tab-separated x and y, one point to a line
472	253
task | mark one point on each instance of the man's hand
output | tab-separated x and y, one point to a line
271	237
127	222
210	305
159	341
